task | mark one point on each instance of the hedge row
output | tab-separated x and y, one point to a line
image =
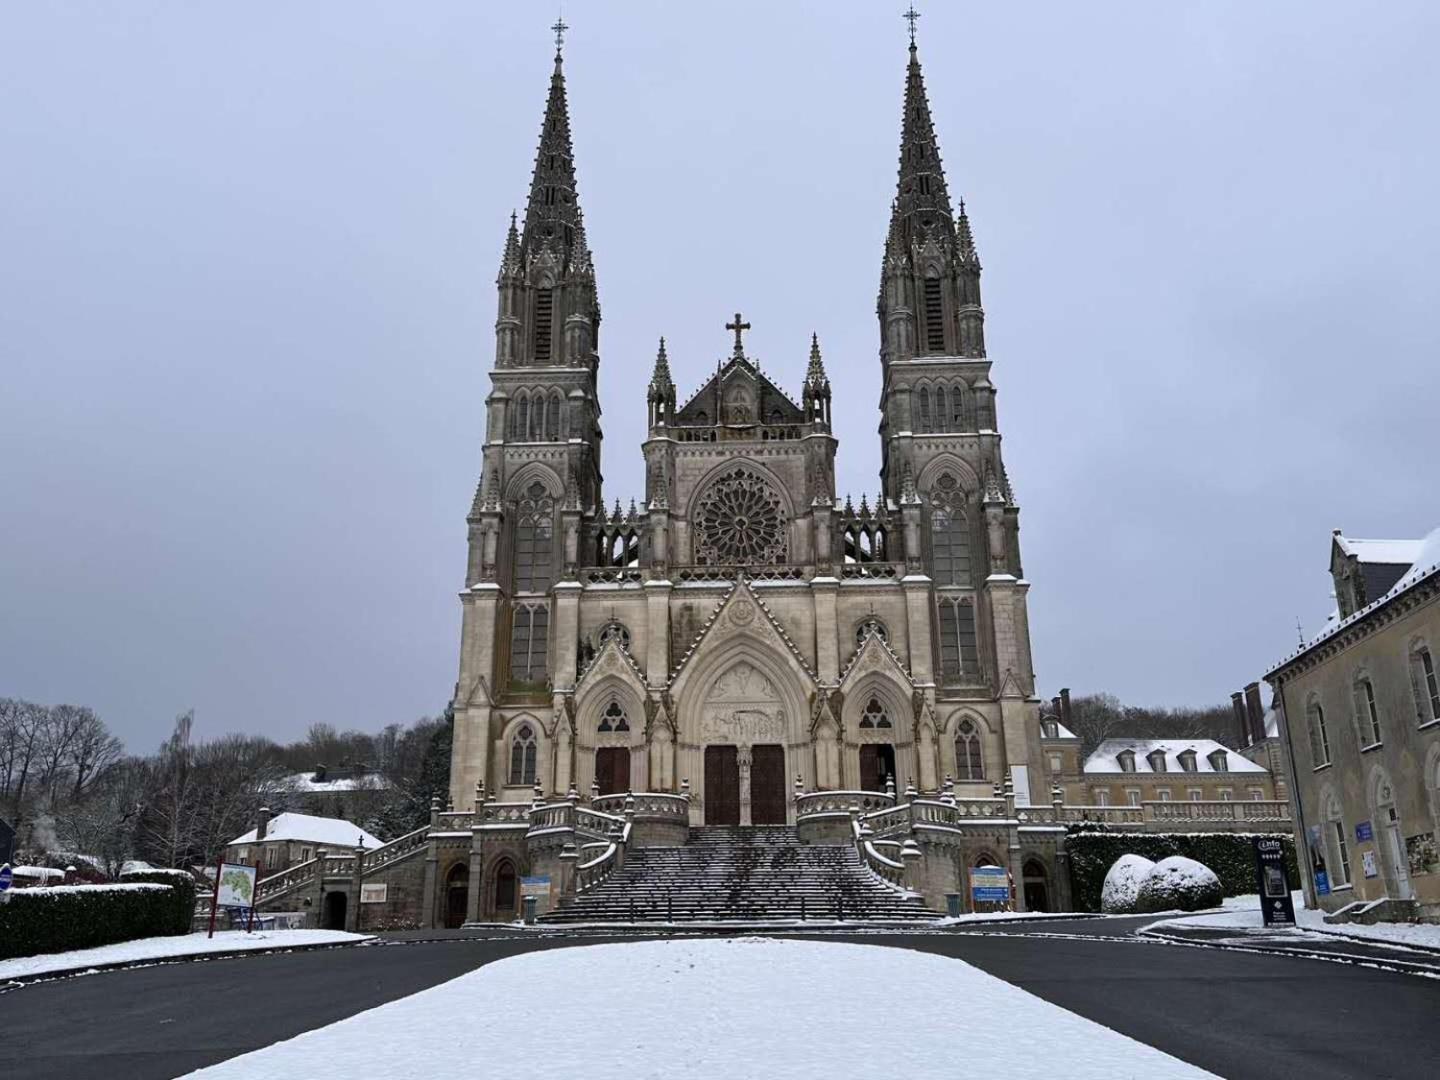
70	917
183	886
1230	855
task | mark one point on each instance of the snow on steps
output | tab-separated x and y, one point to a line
734	873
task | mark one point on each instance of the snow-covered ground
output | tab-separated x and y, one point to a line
169	948
738	1007
1243	913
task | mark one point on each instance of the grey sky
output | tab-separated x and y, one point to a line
247	256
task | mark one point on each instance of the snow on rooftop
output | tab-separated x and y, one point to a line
306	784
335	832
1392	552
1106	757
1427	558
1061	731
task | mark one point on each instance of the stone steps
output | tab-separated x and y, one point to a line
734	873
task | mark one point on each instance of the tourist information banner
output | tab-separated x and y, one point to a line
236	886
990	885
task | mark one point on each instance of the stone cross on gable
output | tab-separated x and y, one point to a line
739	327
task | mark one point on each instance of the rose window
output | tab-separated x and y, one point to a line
741	521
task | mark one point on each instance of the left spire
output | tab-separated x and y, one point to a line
552	214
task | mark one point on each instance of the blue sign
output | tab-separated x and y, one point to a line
990	885
6	877
1364	832
1322	883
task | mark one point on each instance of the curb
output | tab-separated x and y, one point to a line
15	982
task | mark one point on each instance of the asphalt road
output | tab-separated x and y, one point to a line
1236	1014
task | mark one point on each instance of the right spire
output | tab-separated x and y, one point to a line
922	202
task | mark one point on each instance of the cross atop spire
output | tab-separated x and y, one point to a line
739	327
561	26
910	16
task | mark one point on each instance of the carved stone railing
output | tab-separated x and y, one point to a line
591	872
553	816
839	803
1270	812
725	574
645	804
596	823
400	848
455	821
877	570
611	575
1103	815
503	813
287	880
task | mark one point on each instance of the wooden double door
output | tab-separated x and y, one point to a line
767	785
612	769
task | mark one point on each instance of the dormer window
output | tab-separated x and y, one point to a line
1127	760
1220	761
1187	760
1051	729
1157	760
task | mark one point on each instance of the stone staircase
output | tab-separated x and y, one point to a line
758	873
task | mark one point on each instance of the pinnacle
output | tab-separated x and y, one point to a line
922	200
552	213
815	375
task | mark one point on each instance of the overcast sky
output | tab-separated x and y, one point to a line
247	255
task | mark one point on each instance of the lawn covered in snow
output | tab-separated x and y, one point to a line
736	1007
1243	913
168	948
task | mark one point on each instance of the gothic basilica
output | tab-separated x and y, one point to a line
744	636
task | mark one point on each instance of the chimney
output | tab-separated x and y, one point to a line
262	826
1256	713
1055	707
1242	722
1065	706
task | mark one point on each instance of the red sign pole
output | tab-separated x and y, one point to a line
215	896
250	922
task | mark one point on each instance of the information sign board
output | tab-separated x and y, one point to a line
236	886
1274	887
990	885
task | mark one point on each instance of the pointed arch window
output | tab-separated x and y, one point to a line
868	627
534	540
874	717
969	758
523	756
934	316
529	642
544	321
924	409
1339	846
942	414
949	534
614	718
959	420
552	418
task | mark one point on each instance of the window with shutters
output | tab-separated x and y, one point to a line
1424	684
934	317
544	318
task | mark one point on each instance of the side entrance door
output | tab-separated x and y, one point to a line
722	786
767	785
877	763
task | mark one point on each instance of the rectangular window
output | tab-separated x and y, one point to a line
1055	763
934	317
1367	717
529	641
959	643
1102	798
1426	686
1196	794
1341	869
1133	797
1164	794
1257	794
533	557
544	318
1226	794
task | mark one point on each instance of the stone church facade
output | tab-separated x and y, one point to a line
742	633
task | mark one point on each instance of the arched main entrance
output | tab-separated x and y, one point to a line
457	895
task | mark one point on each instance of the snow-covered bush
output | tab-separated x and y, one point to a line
1093	850
1122	884
1178	883
182	887
70	917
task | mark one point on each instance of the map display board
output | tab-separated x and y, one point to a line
237	886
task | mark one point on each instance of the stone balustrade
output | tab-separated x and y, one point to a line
650	804
840	803
502	813
1269	812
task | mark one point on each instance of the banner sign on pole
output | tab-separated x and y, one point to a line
236	886
1275	904
990	885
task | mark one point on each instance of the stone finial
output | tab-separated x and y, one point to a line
594	790
911	794
890	786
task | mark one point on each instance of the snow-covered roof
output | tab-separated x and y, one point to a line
37	871
1061	731
335	832
1426	564
1393	552
306	784
1106	757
